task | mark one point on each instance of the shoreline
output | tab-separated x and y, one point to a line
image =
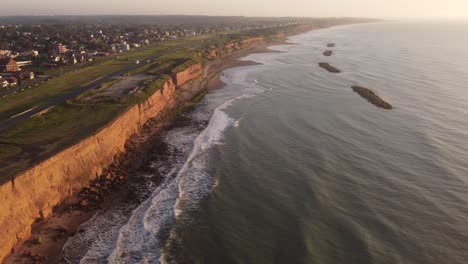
49	236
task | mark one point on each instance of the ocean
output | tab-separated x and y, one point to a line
286	164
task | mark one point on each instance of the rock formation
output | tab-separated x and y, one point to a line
371	97
331	45
329	67
328	53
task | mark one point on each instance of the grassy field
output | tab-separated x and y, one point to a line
42	136
53	88
45	92
62	126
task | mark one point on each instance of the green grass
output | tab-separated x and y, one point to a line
141	53
110	83
45	92
163	67
184	66
63	120
9	151
42	136
178	61
62	126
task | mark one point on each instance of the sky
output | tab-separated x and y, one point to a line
451	9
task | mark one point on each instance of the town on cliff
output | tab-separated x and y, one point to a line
125	75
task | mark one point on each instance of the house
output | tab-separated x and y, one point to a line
24	63
70	58
8	65
120	47
28	75
55	58
80	57
60	49
3	83
18	75
12	80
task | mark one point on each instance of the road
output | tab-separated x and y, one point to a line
5	124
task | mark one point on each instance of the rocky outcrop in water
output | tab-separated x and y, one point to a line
328	53
331	45
371	97
329	67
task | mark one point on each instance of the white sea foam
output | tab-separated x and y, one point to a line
121	235
143	236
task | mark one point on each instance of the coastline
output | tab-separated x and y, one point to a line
49	236
43	241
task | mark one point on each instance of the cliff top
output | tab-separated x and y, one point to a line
58	113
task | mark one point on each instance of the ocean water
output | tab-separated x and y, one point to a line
287	164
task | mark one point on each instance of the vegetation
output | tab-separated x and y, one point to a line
62	126
41	136
148	88
54	88
184	66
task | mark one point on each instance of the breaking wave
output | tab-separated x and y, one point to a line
143	236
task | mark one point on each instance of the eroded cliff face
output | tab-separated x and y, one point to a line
35	192
251	41
246	43
188	74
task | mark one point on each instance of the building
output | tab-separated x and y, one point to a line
60	49
3	83
8	65
12	80
29	75
24	63
120	47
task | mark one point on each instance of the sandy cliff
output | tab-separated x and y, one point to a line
192	72
34	193
251	41
236	46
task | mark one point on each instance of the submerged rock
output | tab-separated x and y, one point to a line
329	67
371	97
328	53
331	45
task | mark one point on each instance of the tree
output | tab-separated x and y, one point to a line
4	45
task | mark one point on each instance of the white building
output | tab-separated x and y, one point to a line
120	47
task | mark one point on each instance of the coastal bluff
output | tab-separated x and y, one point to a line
192	72
371	97
32	194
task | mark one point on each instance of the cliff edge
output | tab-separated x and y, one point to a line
33	193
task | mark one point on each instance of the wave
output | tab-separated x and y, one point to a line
142	238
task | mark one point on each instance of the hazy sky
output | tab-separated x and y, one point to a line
316	8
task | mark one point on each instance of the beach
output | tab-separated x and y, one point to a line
49	236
